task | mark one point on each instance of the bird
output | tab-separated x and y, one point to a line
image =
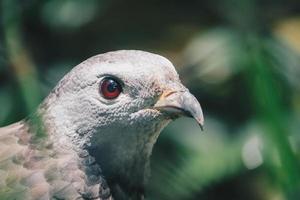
92	136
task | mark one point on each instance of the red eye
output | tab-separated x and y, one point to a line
110	88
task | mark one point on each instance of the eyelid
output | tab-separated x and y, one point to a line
104	76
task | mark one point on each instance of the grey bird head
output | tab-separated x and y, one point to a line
113	107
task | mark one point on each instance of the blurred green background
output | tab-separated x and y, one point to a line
241	59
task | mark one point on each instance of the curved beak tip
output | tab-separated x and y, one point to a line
200	123
201	127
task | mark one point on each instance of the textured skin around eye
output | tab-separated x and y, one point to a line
110	89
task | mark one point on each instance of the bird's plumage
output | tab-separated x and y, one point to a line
37	169
80	145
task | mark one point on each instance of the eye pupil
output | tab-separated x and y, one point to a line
110	88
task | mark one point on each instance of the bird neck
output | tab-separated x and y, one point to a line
124	158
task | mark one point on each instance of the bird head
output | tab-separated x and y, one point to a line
114	106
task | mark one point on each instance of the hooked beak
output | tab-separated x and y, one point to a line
181	103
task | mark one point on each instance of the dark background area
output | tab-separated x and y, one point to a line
239	57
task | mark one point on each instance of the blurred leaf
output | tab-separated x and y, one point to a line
268	104
70	14
286	61
18	56
214	56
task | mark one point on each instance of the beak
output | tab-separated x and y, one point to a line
181	103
